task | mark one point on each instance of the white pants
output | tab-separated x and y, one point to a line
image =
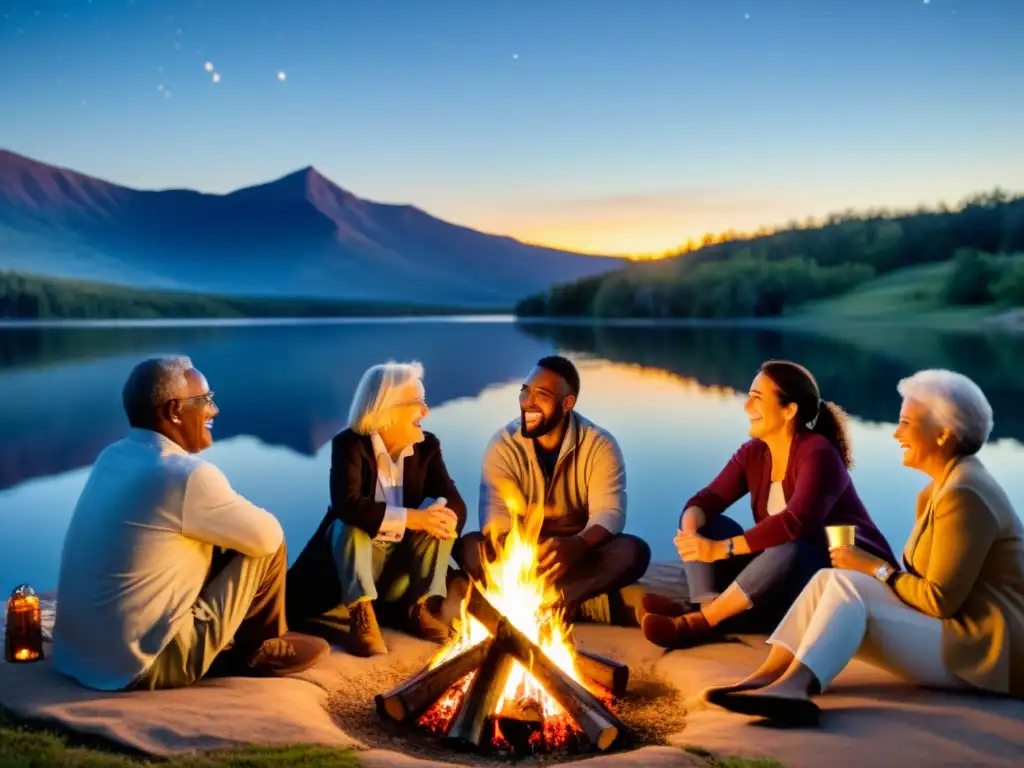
842	614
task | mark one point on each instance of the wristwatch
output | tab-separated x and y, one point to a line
883	572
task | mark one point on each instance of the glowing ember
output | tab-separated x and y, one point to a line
528	602
438	717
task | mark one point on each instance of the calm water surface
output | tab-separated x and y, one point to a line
673	397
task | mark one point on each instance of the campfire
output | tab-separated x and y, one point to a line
512	678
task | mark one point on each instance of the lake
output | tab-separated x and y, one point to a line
672	396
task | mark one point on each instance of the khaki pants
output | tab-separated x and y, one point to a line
845	614
241	604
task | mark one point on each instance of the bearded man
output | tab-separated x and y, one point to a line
555	460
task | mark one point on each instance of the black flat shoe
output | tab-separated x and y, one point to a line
714	694
793	713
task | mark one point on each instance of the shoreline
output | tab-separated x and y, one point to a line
230	322
1010	322
1007	322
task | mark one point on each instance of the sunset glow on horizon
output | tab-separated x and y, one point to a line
625	130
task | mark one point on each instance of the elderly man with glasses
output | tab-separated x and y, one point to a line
167	573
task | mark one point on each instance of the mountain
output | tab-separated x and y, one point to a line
298	236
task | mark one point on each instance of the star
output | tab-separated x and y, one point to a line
216	77
746	16
927	2
515	55
208	66
281	76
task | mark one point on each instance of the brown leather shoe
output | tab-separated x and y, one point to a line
287	655
424	624
364	637
680	632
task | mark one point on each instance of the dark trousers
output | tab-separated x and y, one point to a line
771	579
604	570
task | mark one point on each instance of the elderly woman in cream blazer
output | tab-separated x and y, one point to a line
954	618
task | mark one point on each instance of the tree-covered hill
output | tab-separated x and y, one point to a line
768	275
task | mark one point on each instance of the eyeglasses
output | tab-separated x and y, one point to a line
207	396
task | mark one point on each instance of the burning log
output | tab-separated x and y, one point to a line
408	700
520	726
600	725
603	671
475	709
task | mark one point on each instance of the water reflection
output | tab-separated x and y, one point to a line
672	397
857	368
285	385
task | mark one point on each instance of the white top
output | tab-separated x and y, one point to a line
390	490
776	499
137	552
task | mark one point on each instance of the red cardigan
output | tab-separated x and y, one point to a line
818	488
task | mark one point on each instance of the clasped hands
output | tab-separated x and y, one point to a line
436	519
558	554
692	547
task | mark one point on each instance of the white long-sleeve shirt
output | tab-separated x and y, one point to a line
137	552
390	490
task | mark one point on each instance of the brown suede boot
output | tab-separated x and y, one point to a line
679	632
364	638
424	624
660	605
287	655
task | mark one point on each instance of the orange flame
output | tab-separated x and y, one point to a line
516	589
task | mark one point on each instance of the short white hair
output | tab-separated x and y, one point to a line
953	401
151	384
377	394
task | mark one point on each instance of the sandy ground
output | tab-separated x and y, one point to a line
869	717
653	710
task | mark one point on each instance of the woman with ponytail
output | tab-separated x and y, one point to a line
796	470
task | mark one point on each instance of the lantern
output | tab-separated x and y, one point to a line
23	638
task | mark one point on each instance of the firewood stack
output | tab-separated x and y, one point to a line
520	724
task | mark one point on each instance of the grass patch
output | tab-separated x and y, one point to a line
913	292
724	761
24	745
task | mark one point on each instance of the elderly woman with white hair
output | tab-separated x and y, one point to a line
394	516
954	618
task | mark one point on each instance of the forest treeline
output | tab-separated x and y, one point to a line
766	275
33	297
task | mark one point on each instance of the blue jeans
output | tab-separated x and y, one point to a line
417	565
771	579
